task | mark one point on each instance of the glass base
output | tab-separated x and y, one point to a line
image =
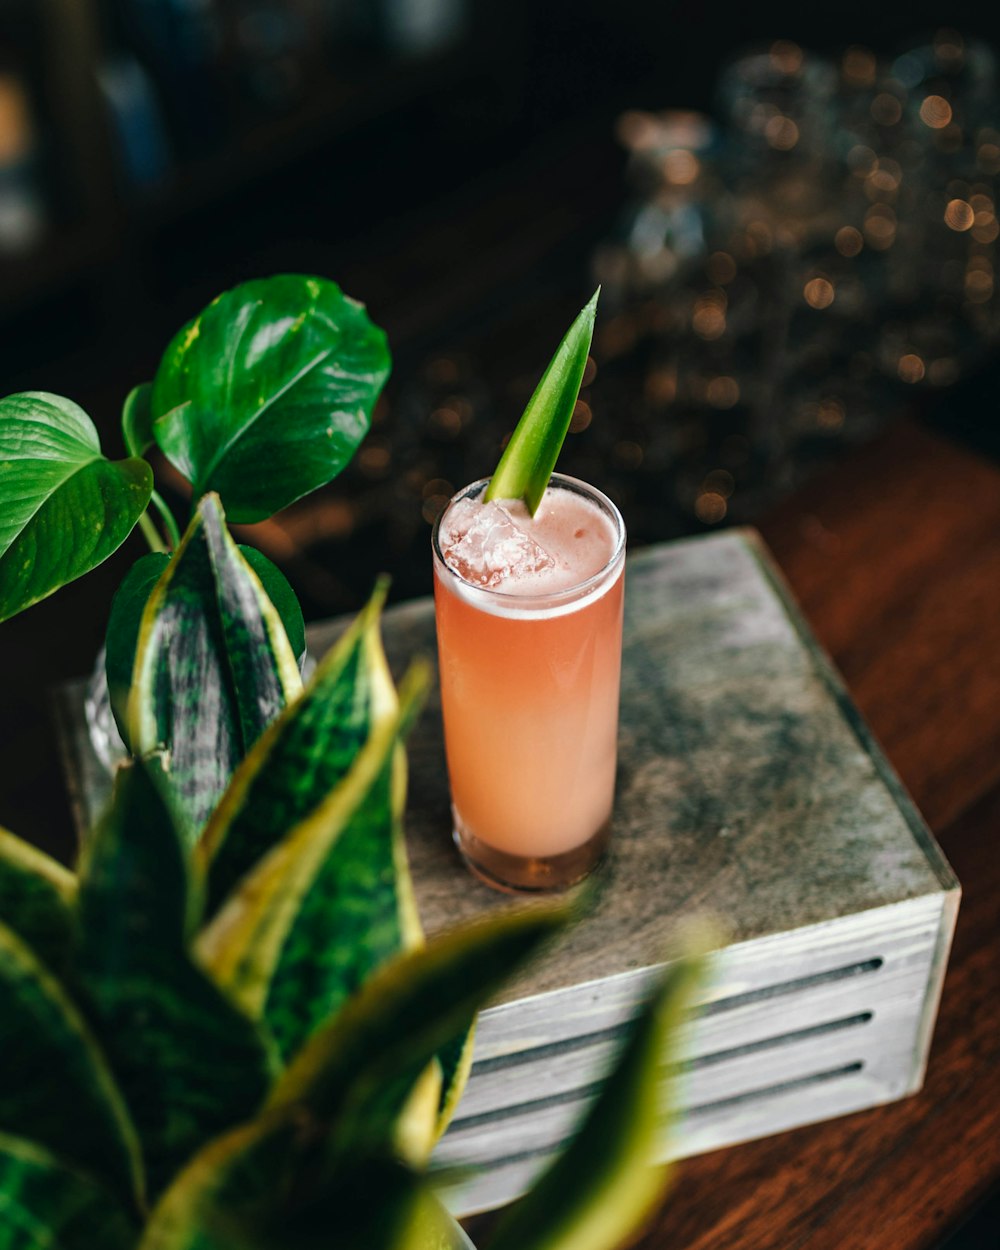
526	874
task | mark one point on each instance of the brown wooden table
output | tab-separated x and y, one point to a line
895	557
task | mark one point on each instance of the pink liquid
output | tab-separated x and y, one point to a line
530	672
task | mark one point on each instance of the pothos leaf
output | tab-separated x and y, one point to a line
66	508
213	664
137	420
190	1064
267	393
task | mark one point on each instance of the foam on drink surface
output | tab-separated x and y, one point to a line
499	545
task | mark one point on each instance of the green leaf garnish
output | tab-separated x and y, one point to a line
529	458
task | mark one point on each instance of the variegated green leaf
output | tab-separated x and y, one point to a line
331	901
213	664
455	1058
605	1185
336	1109
189	1063
352	1078
302	756
56	1088
45	1205
66	507
129	604
36	900
122	637
243	1192
279	591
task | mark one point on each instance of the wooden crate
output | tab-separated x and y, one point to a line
749	788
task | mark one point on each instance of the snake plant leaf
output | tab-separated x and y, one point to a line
56	1088
258	1175
213	665
455	1058
605	1185
332	900
122	636
351	1080
66	507
45	1205
267	393
130	602
37	895
243	1190
529	458
189	1063
299	759
137	419
278	590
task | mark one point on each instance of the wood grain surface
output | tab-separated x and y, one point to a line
895	558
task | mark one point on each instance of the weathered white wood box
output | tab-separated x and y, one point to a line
749	788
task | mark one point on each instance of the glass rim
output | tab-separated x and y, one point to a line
520	604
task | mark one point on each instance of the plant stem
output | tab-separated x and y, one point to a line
150	533
167	517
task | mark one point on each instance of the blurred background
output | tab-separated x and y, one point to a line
794	219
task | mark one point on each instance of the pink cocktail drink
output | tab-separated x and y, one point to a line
529	622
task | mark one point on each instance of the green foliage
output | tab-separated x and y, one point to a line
36	900
602	1188
47	1205
188	1061
226	1033
55	1084
213	665
66	508
267	393
261	398
529	458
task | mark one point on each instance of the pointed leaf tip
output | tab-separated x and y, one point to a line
530	457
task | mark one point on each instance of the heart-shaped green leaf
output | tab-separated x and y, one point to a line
36	900
137	419
529	458
603	1187
213	664
55	1085
45	1205
330	902
267	393
130	602
64	507
189	1063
